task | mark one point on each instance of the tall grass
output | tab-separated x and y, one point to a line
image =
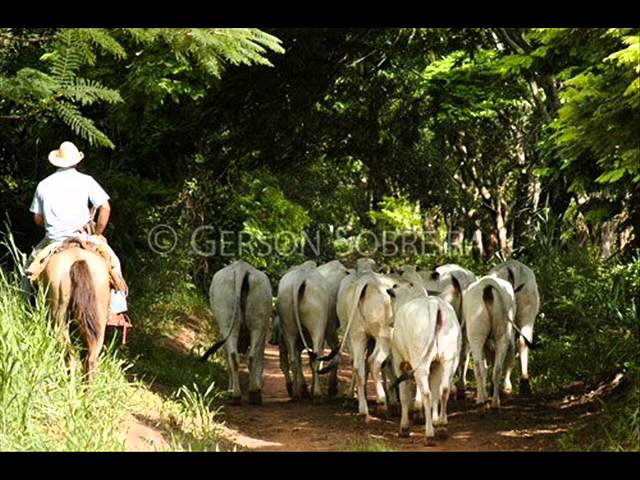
43	405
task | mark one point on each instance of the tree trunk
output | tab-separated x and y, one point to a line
501	228
477	249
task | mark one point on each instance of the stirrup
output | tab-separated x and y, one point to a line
120	320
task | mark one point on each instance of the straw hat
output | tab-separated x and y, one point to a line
66	156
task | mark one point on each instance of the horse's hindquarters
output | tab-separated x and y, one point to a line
79	289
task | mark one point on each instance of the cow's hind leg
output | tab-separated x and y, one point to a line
380	354
256	366
233	364
422	381
334	343
406	399
527	330
295	362
358	350
502	347
462	382
284	366
477	350
435	382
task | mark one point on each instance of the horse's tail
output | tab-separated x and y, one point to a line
83	304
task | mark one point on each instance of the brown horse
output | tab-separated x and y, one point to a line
79	291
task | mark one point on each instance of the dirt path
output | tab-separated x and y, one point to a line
283	425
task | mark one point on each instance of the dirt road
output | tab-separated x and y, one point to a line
284	425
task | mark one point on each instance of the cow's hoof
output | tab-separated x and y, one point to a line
404	432
506	393
394	410
290	389
442	432
255	398
332	390
305	393
525	388
381	410
350	403
236	401
430	441
418	418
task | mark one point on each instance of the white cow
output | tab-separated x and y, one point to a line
333	272
451	280
426	346
365	312
240	297
523	281
489	309
303	309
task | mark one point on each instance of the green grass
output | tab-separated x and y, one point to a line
367	445
44	406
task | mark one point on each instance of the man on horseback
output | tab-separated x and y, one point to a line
61	206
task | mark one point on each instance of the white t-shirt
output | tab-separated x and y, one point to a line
63	200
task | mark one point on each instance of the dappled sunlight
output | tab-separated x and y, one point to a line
246	441
529	433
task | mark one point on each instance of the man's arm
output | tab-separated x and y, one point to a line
38	219
104	213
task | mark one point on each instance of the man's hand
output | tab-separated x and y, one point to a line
38	219
103	217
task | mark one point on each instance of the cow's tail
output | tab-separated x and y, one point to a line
427	352
334	356
458	288
237	314
298	290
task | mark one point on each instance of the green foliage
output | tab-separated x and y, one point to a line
589	326
617	426
58	90
398	214
274	223
39	94
599	115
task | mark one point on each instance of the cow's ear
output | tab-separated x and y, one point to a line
391	292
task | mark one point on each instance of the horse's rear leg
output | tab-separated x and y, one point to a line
94	345
62	328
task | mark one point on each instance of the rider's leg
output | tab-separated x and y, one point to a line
27	288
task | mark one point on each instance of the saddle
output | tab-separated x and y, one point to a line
95	243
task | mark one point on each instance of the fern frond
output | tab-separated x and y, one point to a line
67	57
89	91
27	85
81	126
99	37
144	36
212	48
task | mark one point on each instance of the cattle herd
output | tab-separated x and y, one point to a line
413	331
